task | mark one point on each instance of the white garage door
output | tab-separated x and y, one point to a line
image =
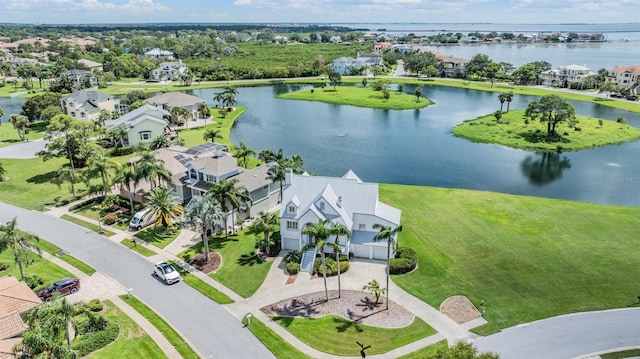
291	243
380	252
360	250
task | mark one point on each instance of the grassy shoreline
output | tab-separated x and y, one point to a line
513	132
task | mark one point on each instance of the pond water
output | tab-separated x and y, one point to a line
417	147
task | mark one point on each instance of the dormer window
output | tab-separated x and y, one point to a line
291	209
321	205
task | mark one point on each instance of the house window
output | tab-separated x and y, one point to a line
83	115
292	225
362	227
292	209
321	206
145	136
210	178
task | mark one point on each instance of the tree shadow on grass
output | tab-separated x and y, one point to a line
541	137
42	178
344	324
250	259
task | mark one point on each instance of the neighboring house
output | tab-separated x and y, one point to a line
565	76
86	104
346	65
453	67
168	71
192	168
169	100
381	46
625	76
345	200
82	77
15	298
335	39
142	124
158	54
92	65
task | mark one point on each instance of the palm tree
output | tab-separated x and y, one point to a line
339	229
267	156
243	153
389	234
238	197
204	110
65	173
151	169
124	176
318	233
11	237
502	98
118	135
160	141
221	191
1	114
3	172
39	342
229	98
277	172
163	208
265	223
374	287
20	123
181	113
211	133
219	97
508	98
203	212
100	165
58	316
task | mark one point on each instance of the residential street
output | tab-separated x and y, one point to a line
212	330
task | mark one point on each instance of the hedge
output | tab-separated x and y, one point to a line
93	341
332	269
406	260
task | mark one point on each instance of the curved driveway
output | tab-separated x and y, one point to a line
567	336
213	331
23	149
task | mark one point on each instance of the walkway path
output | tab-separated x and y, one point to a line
275	289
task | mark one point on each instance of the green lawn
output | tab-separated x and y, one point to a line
87	225
359	96
156	235
193	137
132	341
172	336
527	258
336	335
426	352
137	247
633	353
9	135
202	287
280	348
242	270
40	267
511	131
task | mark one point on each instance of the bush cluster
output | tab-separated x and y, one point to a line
95	305
406	260
332	268
293	268
292	257
33	281
3	266
123	151
110	218
90	342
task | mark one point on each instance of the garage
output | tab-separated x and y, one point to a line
291	244
360	251
380	252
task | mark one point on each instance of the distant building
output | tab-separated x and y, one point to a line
158	54
347	65
168	71
625	77
91	65
86	104
565	76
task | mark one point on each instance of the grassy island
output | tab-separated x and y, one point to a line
512	131
361	97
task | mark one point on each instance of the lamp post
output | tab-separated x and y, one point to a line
99	222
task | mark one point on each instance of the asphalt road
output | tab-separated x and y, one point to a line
567	336
210	328
23	149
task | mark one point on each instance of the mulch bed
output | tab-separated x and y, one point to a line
460	309
198	262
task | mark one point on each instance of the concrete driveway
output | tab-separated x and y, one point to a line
23	150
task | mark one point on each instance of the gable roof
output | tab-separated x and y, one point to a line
15	298
144	112
621	69
89	63
87	95
175	99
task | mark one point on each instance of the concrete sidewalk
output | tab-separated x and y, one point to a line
274	289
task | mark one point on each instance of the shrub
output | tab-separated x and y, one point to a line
577	128
405	261
3	266
292	257
600	122
110	218
33	281
95	305
90	342
293	268
621	120
123	151
400	88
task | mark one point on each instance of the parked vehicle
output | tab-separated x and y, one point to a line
166	272
141	220
632	98
64	286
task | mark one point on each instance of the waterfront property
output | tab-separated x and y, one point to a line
142	125
87	104
625	76
169	100
345	200
571	76
348	65
168	71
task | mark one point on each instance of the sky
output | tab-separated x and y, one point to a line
319	11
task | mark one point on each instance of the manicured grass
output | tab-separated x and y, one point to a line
9	135
85	224
90	212
132	341
137	247
426	352
511	131
280	348
40	267
527	258
202	287
155	235
172	336
56	251
193	137
359	96
336	335
633	353
242	270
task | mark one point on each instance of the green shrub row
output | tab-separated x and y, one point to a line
406	260
95	305
332	268
93	341
123	151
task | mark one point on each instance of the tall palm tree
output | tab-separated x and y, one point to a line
277	172
163	208
99	165
201	213
243	153
218	97
339	229
229	98
227	193
389	234
58	316
508	98
268	155
319	232
181	113
502	98
11	237
20	123
118	136
238	197
265	223
124	176
211	133
65	173
204	110
151	169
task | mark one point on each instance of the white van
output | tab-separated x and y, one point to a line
141	219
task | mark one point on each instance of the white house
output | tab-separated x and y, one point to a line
345	65
565	76
345	200
142	124
86	104
169	100
168	71
625	76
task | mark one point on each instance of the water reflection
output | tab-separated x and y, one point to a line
543	168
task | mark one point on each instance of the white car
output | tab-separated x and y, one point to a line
166	272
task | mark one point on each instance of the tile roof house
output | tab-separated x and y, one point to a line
15	298
91	65
625	76
345	200
142	124
169	100
86	104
